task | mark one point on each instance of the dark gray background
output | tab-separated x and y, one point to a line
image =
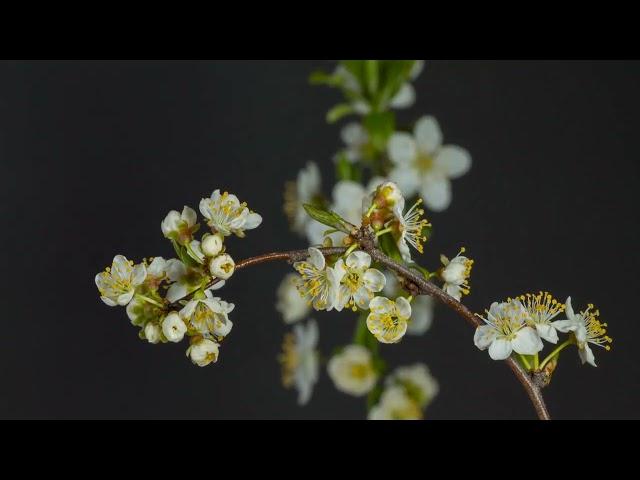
94	154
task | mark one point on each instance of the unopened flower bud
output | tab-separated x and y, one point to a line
173	327
222	266
211	245
152	332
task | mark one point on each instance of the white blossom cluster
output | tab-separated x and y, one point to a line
171	299
521	324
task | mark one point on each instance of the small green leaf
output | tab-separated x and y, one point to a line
371	74
339	111
328	218
389	247
322	78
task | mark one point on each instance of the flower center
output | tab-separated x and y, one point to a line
360	371
289	359
423	162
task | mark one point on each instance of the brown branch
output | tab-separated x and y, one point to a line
418	286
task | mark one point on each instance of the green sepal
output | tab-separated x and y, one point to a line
388	245
183	255
329	218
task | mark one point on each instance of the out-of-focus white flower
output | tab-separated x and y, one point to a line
359	281
180	226
542	308
152	332
208	316
405	97
320	283
117	284
203	351
299	360
455	274
352	370
422	164
587	330
212	244
291	304
222	266
173	327
418	382
305	189
356	140
505	331
388	319
226	215
395	404
185	280
421	307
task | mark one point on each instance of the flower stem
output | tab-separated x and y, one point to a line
370	211
351	249
525	362
536	362
561	347
383	231
149	300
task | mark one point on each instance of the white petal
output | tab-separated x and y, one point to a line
354	134
581	334
401	148
120	266
108	301
421	315
216	286
500	349
176	270
125	298
139	274
454	161
547	332
374	280
252	221
407	179
428	134
189	215
527	341
586	355
403	308
362	297
381	304
316	258
564	325
358	260
436	192
405	97
417	69
176	292
485	335
569	309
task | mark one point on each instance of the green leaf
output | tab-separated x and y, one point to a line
339	111
322	78
374	397
346	170
183	255
388	246
371	75
393	74
329	218
380	127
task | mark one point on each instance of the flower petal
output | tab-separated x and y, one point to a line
405	97
401	148
564	326
139	274
436	192
374	280
354	134
527	341
547	332
484	336
421	315
252	221
362	297
500	349
586	355
453	160
407	179
403	308
358	261
428	134
316	258
189	215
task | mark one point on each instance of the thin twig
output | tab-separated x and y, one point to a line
418	286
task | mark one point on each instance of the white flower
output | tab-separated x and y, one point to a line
203	352
587	329
455	274
305	189
212	244
156	270
173	327
185	280
395	404
180	226
117	284
359	281
422	164
226	215
222	266
356	140
408	229
152	332
388	319
208	315
541	309
421	308
291	304
506	331
418	382
404	98
320	283
352	370
299	360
